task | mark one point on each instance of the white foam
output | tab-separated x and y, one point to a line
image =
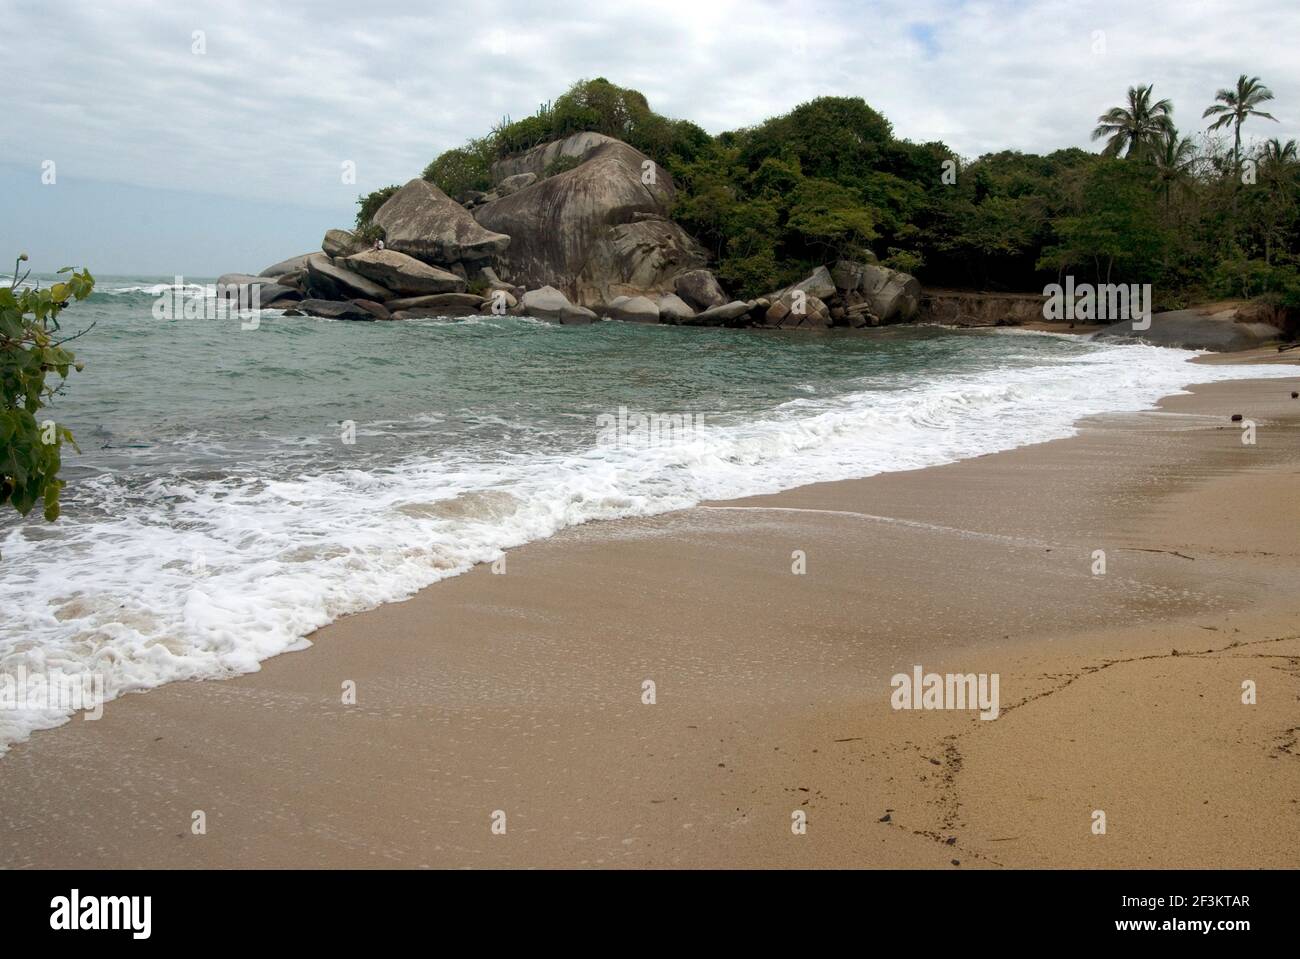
207	579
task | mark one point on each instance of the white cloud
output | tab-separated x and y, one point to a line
286	92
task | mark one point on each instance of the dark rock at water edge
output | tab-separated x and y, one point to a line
1196	330
327	280
335	310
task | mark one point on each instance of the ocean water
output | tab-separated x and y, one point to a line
238	488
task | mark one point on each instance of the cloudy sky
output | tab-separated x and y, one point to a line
210	136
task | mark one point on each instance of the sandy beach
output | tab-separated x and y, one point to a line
522	693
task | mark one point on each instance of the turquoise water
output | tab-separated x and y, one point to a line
238	488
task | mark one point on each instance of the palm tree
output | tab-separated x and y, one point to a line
1136	130
1173	157
1234	106
1278	165
1277	153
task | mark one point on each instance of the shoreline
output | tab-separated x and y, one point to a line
522	692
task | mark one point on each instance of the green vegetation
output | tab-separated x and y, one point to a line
369	205
29	448
1197	219
559	165
595	105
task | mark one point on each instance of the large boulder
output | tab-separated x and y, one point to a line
242	279
404	275
729	314
340	243
489	280
295	264
440	306
673	309
895	296
244	290
334	310
296	280
637	259
456	303
819	284
579	231
791	312
848	274
539	160
1197	329
577	316
280	300
422	221
513	184
891	296
545	303
327	280
548	303
378	309
700	289
273	296
633	309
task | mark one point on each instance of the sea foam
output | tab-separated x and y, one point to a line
193	578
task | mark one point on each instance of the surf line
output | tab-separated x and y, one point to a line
914	524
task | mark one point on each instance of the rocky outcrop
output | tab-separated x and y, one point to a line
296	264
458	304
402	274
848	274
235	280
637	259
700	289
633	309
327	280
332	310
423	222
850	294
240	288
792	312
548	303
378	309
340	243
439	305
539	160
489	280
734	313
1225	331
818	284
673	309
578	231
578	222
895	297
513	184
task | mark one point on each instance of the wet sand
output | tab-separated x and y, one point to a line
522	693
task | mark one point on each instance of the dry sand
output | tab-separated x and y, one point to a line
522	692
